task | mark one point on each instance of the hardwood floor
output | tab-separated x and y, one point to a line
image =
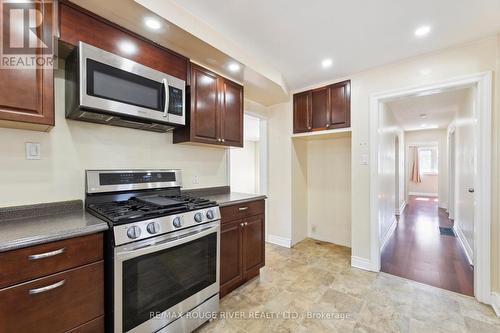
417	251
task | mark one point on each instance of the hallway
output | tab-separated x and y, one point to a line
417	251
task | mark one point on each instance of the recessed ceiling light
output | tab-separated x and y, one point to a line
326	63
127	47
234	67
152	23
423	125
422	31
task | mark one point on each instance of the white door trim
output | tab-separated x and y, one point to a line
482	178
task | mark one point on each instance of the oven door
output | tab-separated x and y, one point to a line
158	279
123	87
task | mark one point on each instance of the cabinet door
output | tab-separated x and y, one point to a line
204	105
26	95
340	114
302	112
253	244
231	113
231	255
320	108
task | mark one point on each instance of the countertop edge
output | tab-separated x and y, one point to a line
42	239
239	201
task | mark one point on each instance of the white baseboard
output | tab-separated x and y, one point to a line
401	209
389	232
495	303
463	242
423	194
363	263
281	241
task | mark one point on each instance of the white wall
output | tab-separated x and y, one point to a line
73	146
329	190
471	58
465	135
300	190
389	130
431	184
244	166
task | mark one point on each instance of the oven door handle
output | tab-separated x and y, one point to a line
167	243
164	83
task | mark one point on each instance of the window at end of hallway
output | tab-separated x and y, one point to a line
427	158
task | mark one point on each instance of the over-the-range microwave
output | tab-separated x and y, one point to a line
105	88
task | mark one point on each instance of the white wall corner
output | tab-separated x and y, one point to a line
281	241
463	242
363	263
495	303
388	234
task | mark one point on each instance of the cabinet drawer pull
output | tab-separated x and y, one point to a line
242	208
47	288
46	254
246	223
242	224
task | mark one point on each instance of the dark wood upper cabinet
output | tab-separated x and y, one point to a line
78	24
320	107
205	105
340	110
323	108
232	113
302	112
27	95
215	113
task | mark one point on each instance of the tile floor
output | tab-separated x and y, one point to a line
316	279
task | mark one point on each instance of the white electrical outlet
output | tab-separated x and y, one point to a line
33	151
196	180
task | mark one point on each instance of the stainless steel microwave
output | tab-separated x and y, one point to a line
106	88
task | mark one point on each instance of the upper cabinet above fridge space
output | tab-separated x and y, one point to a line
322	109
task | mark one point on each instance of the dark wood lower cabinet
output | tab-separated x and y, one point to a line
56	303
53	287
242	252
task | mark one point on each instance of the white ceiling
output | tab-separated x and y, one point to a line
294	36
439	110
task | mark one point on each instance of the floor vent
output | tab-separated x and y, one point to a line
445	231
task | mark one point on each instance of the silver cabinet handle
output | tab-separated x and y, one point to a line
327	125
242	208
167	97
223	140
242	224
246	223
47	288
46	254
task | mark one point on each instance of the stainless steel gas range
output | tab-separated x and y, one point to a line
162	250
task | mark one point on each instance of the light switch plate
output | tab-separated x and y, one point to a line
33	151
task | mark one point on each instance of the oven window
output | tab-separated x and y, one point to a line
117	85
155	282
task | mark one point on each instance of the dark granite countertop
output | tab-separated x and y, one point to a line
25	226
224	196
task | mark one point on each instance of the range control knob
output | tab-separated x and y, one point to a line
133	232
177	222
153	227
198	217
210	214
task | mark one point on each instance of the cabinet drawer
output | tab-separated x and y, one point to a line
33	262
93	326
239	211
55	303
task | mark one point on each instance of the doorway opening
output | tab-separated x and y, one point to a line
451	212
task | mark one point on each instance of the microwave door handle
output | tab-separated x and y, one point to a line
164	82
